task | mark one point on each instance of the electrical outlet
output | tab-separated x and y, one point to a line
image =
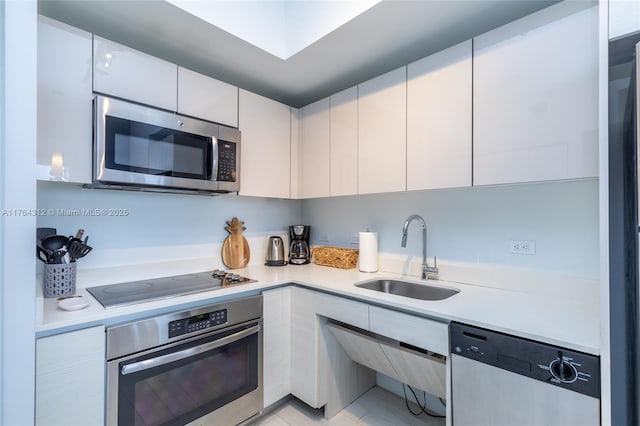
523	247
324	237
355	239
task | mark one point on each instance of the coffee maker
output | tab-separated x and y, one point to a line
299	251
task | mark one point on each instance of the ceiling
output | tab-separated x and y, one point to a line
390	34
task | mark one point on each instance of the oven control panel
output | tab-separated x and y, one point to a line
197	323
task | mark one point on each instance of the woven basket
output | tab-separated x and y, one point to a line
336	257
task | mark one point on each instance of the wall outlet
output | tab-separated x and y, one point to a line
355	239
324	237
522	247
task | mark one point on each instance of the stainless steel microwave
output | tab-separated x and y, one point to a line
144	148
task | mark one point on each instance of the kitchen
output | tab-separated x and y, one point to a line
472	225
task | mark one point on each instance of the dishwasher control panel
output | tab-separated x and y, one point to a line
562	367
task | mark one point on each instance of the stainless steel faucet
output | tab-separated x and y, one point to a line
426	269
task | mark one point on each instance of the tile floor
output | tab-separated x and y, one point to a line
377	407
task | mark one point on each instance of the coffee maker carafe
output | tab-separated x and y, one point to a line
299	252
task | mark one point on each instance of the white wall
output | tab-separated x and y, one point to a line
18	38
171	220
475	225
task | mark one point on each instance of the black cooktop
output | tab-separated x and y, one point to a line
134	292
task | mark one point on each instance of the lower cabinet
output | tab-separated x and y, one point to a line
332	370
70	384
276	361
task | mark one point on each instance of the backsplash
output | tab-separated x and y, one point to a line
474	225
142	227
468	225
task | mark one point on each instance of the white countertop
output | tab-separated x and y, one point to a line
562	321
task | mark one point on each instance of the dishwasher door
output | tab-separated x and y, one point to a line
503	380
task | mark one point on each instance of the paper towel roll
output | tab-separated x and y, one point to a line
368	256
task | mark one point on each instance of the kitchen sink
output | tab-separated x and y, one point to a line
408	289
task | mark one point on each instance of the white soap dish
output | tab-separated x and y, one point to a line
73	303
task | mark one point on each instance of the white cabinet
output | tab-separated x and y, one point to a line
295	178
304	348
535	98
315	147
433	335
129	74
266	146
205	97
276	316
382	121
70	384
624	17
439	119
344	142
65	135
311	379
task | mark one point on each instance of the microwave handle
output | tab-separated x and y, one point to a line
176	356
214	158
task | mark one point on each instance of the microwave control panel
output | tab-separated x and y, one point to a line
227	161
197	323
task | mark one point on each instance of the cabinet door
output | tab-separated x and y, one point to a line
535	98
344	142
205	97
70	384
315	149
624	17
129	74
382	130
295	178
65	135
276	369
266	151
439	120
304	348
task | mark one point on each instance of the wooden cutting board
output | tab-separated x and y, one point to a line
235	248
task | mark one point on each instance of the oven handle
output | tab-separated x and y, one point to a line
176	356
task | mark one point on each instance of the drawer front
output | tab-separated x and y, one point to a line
421	332
341	309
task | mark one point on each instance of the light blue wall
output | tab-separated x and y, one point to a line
475	224
472	225
160	219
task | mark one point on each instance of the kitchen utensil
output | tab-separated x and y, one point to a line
43	254
54	242
235	248
78	249
42	233
57	255
275	252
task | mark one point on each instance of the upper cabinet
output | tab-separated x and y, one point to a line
315	149
439	119
624	17
535	98
129	74
266	146
382	131
207	98
65	132
344	142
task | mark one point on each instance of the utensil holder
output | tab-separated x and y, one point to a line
59	279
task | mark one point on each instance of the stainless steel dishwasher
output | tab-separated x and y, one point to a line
504	380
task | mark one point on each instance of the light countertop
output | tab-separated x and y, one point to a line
561	321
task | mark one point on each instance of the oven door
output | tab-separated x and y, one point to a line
138	145
211	379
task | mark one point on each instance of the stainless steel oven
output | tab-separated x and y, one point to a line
202	366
